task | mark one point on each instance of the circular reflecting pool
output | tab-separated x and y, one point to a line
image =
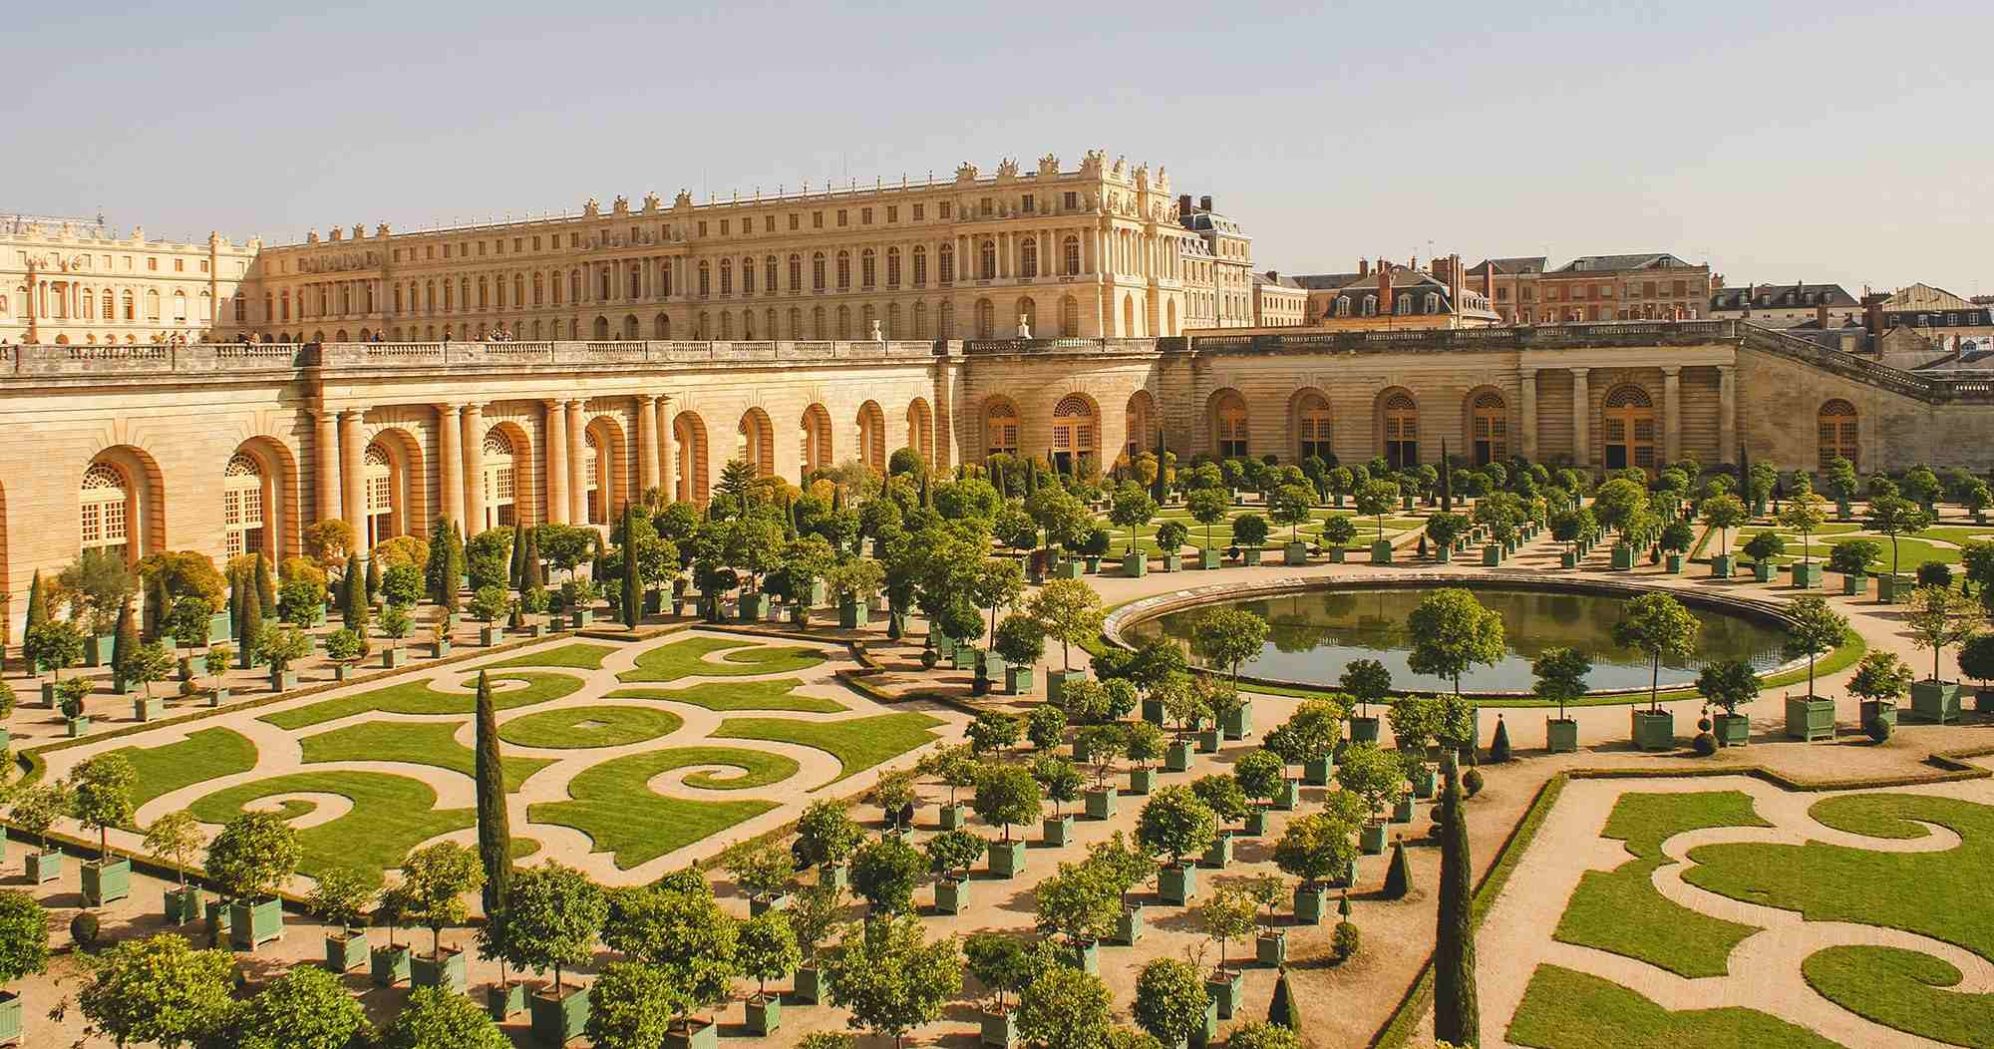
1313	633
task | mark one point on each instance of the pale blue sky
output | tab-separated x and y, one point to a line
1821	141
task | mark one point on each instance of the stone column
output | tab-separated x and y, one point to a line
474	471
450	460
1528	398
1727	413
578	492
647	443
352	455
326	443
668	456
557	464
1581	418
1671	413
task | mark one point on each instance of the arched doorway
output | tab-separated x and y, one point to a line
1838	427
1628	422
501	480
1230	438
1075	429
816	434
1142	424
377	468
1000	427
255	501
1488	427
921	429
1400	416
109	506
605	474
872	435
689	438
1312	427
756	444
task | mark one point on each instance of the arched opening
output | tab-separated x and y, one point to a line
986	319
1128	316
690	477
383	517
756	445
872	435
815	430
921	429
1230	439
1312	427
1628	422
1075	429
1399	423
1028	316
1000	427
1142	424
1837	425
501	478
602	329
661	327
605	469
259	491
122	503
1488	427
1069	317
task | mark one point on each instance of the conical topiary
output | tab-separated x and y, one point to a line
633	586
1398	876
1282	1012
373	579
266	587
516	573
124	643
494	827
353	597
1499	748
249	624
1456	1004
536	574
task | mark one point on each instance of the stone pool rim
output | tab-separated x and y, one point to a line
1765	612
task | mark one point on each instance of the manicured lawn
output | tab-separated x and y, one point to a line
1620	911
210	753
740	658
414	743
416	697
1921	892
857	743
390	815
575	728
1563	1009
621	815
738	695
576	656
1903	989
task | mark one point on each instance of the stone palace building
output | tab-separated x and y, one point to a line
648	347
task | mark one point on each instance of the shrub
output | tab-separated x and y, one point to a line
1934	573
1343	943
1704	744
1878	729
84	930
1471	780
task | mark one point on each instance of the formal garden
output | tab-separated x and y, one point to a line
879	755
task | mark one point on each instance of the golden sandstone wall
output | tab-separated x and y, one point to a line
389	436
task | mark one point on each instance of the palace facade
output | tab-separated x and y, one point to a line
233	447
76	282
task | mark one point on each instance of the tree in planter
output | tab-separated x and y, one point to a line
437	1019
1045	726
1561	676
1372	774
894	793
952	853
1571	526
55	645
1143	743
1131	508
1764	546
69	697
1376	499
1170	536
488	603
1103	744
1813	629
553	918
144	664
173	837
1896	516
1228	637
188	621
1175	822
344	647
279	647
1290	505
1223	795
158	989
762	873
1171	1000
1941	618
885	871
1001	963
892	979
1059	778
956	766
1310	733
305	1008
1881	677
253	856
1976	658
34	807
299	600
1064	1006
1259	774
340	896
1006	795
765	949
1069	611
1208	506
1658	626
1451	632
1729	683
1367	681
1854	556
1249	531
401	586
825	835
1322	845
100	796
23	936
1677	537
1805	512
993	731
434	881
1615	503
1444	529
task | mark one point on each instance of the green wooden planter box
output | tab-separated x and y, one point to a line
1808	575
343	954
1763	571
1018	680
1316	771
1561	735
1854	584
1271	949
1654	729
1294	553
283	680
1177	885
10	1018
751	608
1256	824
1209	558
1070	569
1007	858
97	650
504	1000
1568	559
1173	562
182	906
78	727
1177	756
1491	555
445	971
1672	563
1381	552
392	658
1094	564
1404	808
1623	560
1209	740
1810	718
1732	730
1339	556
106	881
1129	927
1249	555
1218	855
1363	730
1135	565
490	634
1142	781
1288	796
1227	989
1879	710
764	1017
1371	838
1983	700
963	658
1311	904
253	924
1890	589
954	817
999	1029
1057	830
217	922
838	874
557	1021
388	965
1935	701
1424	782
853	614
1057	680
148	709
951	896
760	905
1238	723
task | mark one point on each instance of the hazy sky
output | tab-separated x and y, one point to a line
1821	141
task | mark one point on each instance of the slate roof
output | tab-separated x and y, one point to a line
1783	297
1617	263
1516	264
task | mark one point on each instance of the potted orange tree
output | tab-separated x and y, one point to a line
1880	679
1813	629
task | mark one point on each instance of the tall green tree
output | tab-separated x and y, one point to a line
494	826
1658	626
1456	1008
158	989
1451	631
892	979
444	574
353	607
633	583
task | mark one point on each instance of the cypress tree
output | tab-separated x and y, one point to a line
1282	1012
1499	747
1398	876
517	573
1456	1010
236	583
353	597
494	829
125	641
249	623
373	579
266	587
1446	480
536	573
1159	489
156	602
633	588
441	575
37	602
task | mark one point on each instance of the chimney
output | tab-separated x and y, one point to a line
1440	271
1454	280
1488	280
1204	203
1384	288
1363	267
1872	313
1184	205
1821	315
